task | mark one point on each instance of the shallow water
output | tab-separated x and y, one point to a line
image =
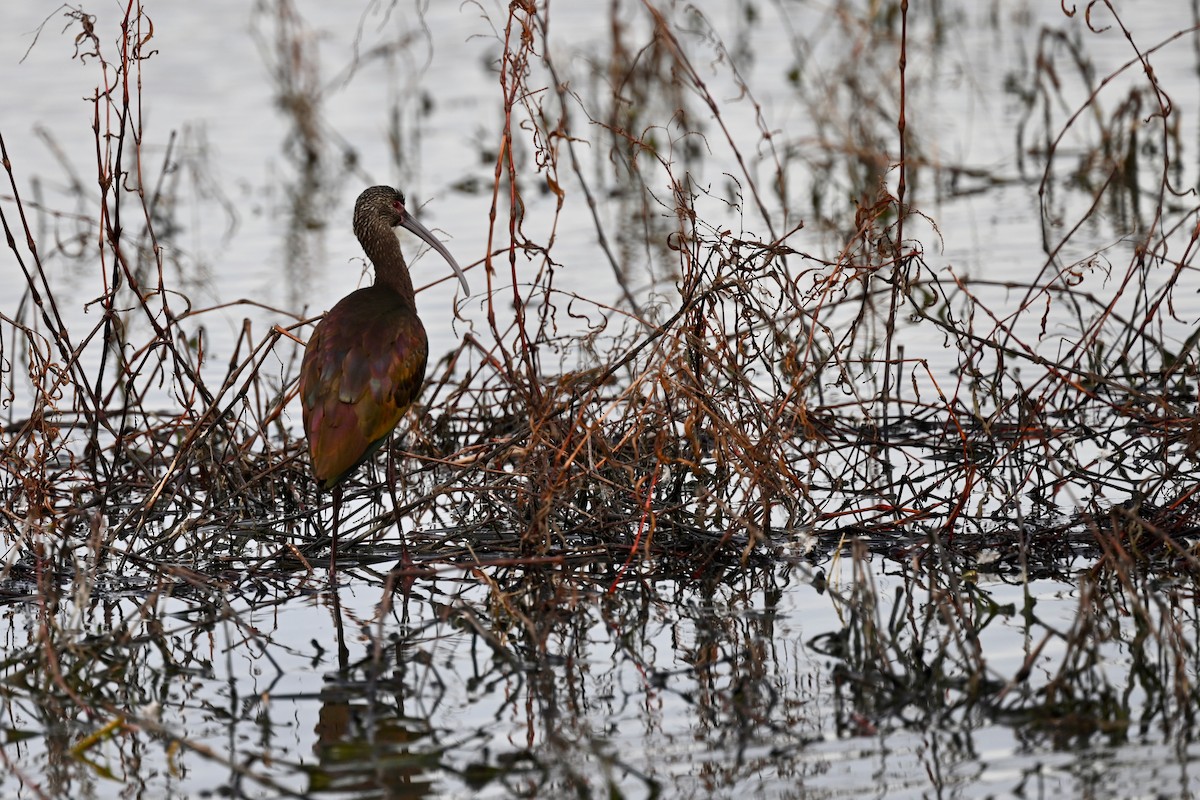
746	685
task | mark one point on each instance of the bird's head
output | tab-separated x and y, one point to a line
383	203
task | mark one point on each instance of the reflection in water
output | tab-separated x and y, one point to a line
365	741
540	682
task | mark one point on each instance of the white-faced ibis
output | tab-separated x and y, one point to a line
365	362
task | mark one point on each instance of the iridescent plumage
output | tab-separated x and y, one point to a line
365	362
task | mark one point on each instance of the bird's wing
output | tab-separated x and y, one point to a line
362	368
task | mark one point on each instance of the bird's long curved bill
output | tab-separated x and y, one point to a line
411	224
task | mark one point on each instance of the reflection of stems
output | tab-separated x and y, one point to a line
898	260
90	741
291	58
336	607
601	237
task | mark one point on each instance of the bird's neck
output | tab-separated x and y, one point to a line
383	250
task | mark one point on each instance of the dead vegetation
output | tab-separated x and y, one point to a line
755	396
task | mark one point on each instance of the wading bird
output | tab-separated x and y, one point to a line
365	361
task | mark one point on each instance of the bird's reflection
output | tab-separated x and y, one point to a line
365	740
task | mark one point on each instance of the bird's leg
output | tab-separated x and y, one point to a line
342	650
406	561
337	507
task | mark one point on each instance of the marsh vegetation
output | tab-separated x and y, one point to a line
828	391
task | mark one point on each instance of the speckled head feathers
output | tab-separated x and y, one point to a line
379	203
383	204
